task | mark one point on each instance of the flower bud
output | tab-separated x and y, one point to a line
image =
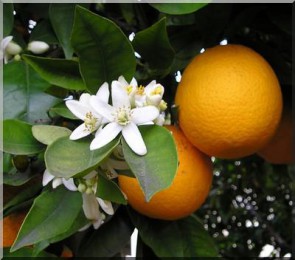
38	47
13	48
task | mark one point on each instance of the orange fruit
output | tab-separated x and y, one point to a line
186	194
230	101
11	225
280	148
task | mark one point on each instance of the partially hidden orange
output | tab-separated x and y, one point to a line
280	149
188	191
230	101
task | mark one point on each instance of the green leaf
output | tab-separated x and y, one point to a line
25	252
109	190
18	138
23	94
182	238
43	32
67	158
52	214
110	238
154	47
156	170
8	18
47	134
104	51
62	110
59	72
179	8
63	14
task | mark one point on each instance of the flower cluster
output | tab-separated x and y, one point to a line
11	50
132	105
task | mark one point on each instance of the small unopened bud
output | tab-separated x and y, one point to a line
89	191
13	48
38	47
163	105
17	57
82	187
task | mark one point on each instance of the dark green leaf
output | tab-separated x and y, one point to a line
43	32
23	94
161	153
17	178
18	138
59	72
182	238
52	214
66	158
62	18
8	19
109	190
104	51
22	196
154	47
179	8
62	110
110	238
47	134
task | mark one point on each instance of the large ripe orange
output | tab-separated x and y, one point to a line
11	225
230	101
188	191
280	148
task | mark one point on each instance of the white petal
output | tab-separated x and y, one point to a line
133	83
106	135
150	86
142	115
104	93
102	108
106	206
5	42
69	184
134	139
47	177
56	182
123	81
84	99
80	132
90	206
77	108
119	97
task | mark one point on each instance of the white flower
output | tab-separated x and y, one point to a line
83	110
122	119
154	93
56	181
140	97
38	47
160	120
9	49
130	88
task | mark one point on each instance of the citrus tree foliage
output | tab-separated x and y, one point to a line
250	201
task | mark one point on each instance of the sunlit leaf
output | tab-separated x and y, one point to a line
161	152
66	158
47	134
104	51
52	214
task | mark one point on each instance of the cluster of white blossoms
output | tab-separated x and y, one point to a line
11	50
132	105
